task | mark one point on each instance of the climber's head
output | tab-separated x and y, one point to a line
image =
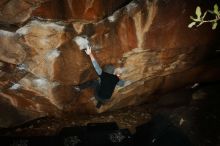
112	70
109	68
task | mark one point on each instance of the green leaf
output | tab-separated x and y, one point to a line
194	19
198	12
214	25
216	9
191	24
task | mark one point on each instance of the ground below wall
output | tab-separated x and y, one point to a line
194	110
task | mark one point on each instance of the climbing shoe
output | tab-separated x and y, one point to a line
77	88
99	104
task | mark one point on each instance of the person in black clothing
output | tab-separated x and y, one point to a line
105	85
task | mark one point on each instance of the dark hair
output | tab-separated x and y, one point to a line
109	69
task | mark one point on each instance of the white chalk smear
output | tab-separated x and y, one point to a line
131	6
41	83
111	18
15	86
22	67
52	54
44	84
82	42
114	16
6	33
22	31
41	25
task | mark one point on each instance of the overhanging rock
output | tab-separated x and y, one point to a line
147	40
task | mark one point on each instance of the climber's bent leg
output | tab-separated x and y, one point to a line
99	100
89	84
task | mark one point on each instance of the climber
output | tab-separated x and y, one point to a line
104	86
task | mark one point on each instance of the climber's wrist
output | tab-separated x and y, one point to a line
91	56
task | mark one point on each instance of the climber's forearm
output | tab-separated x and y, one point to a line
95	64
121	83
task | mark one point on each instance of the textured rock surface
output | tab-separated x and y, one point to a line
71	10
17	11
10	50
148	40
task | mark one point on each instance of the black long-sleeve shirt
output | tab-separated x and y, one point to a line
107	85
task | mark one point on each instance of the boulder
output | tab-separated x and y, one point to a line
20	106
43	40
148	41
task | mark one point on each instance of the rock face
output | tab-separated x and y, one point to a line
10	50
147	40
17	11
71	10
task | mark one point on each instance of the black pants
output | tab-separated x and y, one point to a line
95	84
90	84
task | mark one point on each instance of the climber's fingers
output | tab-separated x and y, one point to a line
88	50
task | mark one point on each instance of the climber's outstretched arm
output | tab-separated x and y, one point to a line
94	62
121	83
